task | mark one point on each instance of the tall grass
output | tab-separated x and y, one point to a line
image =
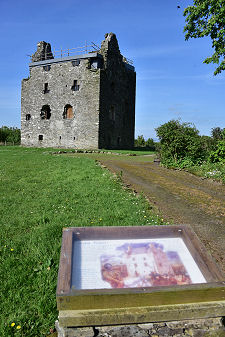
41	193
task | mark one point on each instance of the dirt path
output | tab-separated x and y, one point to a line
180	198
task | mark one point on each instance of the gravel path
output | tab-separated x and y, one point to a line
180	198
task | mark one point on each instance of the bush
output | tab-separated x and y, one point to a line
218	155
180	141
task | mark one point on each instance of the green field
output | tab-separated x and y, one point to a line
40	194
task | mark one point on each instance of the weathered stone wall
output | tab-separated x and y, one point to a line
79	132
103	107
209	327
117	98
43	52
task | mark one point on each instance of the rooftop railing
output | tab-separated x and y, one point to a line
87	48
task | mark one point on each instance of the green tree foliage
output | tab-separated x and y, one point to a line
217	133
149	144
207	18
140	141
218	155
9	135
180	141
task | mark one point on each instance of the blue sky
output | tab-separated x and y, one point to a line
172	81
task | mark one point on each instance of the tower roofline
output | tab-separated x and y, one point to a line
65	59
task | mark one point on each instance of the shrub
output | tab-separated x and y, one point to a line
179	141
218	155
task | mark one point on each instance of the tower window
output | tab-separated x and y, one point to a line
75	63
28	117
68	112
46	89
45	112
40	137
60	137
75	86
113	87
112	114
47	68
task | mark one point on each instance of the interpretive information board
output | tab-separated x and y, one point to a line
131	263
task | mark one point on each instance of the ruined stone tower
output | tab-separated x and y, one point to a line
82	101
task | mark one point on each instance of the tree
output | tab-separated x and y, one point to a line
140	141
180	141
150	143
217	133
11	135
218	155
207	18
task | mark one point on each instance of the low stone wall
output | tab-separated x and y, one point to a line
210	327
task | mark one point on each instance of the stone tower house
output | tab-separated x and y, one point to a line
83	101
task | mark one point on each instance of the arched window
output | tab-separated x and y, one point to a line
68	112
45	112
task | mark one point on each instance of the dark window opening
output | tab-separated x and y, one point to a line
40	137
45	112
112	114
60	137
46	89
124	120
74	138
75	86
28	117
47	68
108	140
68	112
75	63
95	63
113	87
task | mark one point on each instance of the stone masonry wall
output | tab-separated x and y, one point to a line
117	98
103	107
79	132
207	327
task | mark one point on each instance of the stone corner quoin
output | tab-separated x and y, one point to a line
79	101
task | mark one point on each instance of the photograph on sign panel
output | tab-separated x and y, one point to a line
143	265
107	264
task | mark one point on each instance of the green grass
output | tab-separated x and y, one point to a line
41	193
132	152
136	152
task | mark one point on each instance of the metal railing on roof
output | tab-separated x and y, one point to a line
87	48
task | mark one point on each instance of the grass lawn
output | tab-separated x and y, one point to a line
40	194
132	152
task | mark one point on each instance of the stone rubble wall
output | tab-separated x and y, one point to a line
103	106
210	327
117	92
56	131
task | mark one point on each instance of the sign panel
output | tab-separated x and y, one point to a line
110	264
137	273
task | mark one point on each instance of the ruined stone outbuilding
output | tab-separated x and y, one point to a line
80	101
